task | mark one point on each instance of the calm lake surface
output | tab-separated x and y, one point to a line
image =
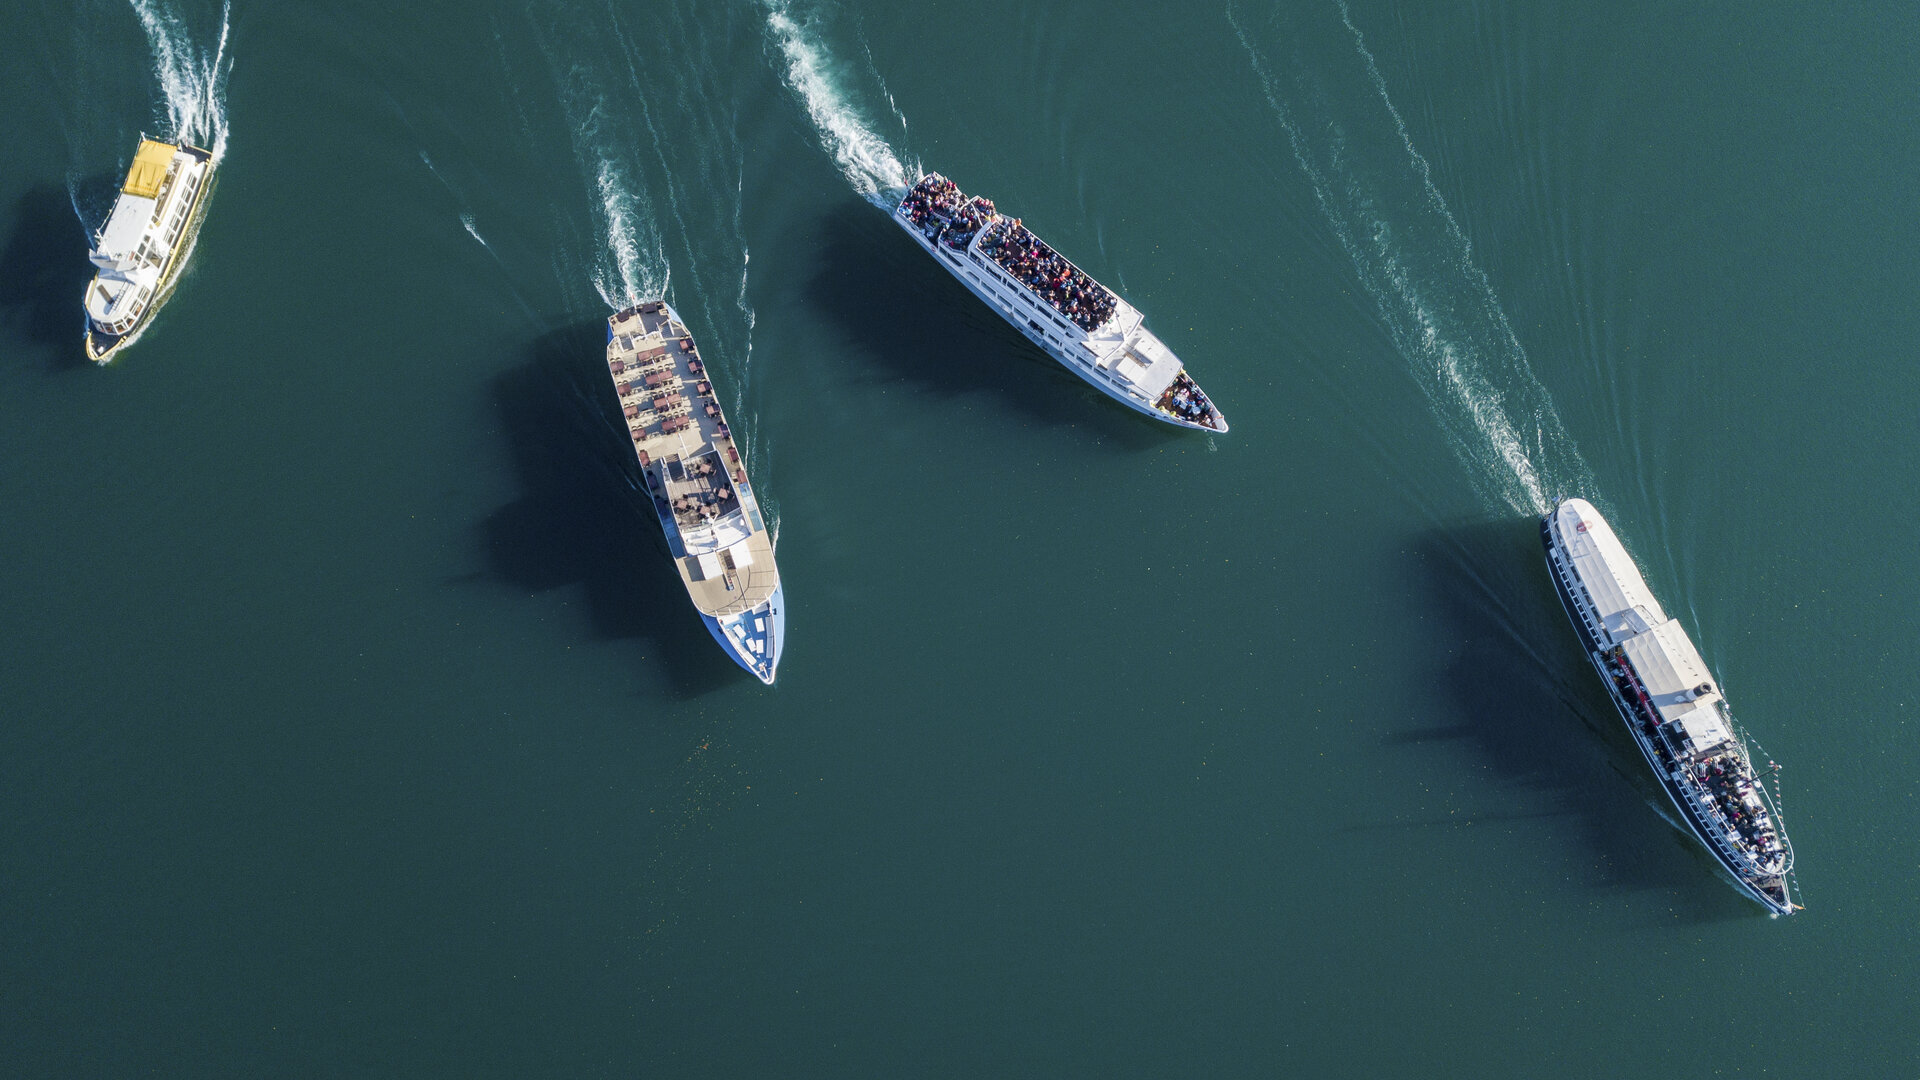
354	722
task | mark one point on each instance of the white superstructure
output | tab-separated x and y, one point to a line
1669	700
142	245
1076	320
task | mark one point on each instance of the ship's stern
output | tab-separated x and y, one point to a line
101	347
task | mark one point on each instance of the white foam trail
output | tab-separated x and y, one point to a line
82	216
470	223
1436	303
865	158
625	216
892	105
629	262
746	309
193	81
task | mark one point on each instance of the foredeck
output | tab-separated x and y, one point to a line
693	468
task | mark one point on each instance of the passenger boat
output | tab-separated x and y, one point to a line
1670	701
697	484
1070	316
140	250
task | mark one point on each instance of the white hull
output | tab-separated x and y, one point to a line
1669	702
1122	359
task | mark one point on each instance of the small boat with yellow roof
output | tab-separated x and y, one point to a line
140	250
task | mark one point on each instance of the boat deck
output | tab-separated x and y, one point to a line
693	468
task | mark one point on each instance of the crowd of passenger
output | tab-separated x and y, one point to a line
943	212
931	202
1184	400
1059	282
968	220
1732	787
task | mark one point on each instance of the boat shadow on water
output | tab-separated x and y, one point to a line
917	322
581	520
44	273
1529	706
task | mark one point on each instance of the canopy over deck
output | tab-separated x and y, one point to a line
149	168
1678	683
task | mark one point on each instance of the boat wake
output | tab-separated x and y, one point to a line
639	267
867	160
466	220
630	264
1417	265
629	261
192	78
657	148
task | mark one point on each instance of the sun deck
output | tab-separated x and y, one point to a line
694	472
949	216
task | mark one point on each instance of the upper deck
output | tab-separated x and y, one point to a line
694	473
945	214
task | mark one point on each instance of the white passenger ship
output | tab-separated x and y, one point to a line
1075	319
697	484
1670	702
143	245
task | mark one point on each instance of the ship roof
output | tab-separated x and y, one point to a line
1149	364
1669	665
1674	674
1619	593
149	168
125	226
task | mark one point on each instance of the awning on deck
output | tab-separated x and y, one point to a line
149	168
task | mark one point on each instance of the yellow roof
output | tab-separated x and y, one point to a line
149	168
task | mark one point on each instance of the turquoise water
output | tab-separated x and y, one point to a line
352	719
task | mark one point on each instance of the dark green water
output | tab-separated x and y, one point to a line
352	721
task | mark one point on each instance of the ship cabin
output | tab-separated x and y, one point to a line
1073	304
1691	726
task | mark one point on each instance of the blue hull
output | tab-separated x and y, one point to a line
737	634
